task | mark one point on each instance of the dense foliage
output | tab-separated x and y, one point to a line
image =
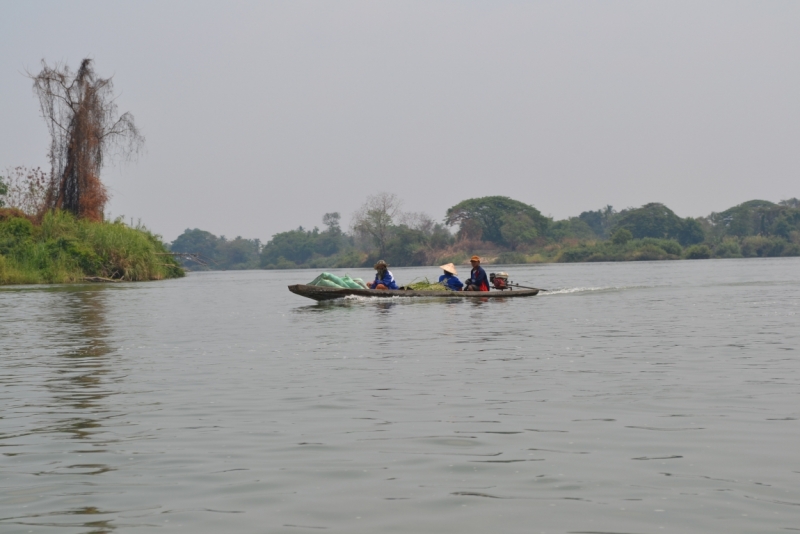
757	228
600	221
503	230
216	252
63	248
299	247
658	221
498	219
757	217
407	243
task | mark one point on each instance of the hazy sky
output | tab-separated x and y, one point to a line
262	116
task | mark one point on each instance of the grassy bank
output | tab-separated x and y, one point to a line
63	249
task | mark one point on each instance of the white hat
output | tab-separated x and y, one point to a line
450	268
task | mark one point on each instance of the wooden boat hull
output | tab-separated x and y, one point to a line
328	293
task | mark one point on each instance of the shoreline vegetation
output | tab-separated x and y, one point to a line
52	226
505	231
61	248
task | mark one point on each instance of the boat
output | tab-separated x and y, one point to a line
331	293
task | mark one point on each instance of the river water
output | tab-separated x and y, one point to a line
633	398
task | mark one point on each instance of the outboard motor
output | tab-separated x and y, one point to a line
499	280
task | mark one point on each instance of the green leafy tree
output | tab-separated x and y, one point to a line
651	220
572	228
489	213
333	222
199	242
690	232
440	237
217	252
518	229
332	240
297	246
740	221
238	253
306	247
600	221
621	236
756	218
785	223
3	191
406	247
410	246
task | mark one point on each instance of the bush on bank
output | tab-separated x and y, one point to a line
63	249
645	249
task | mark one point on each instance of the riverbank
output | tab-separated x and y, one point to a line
62	249
652	249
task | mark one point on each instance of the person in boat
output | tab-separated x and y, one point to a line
383	277
449	278
478	280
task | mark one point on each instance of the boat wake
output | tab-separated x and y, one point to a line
370	298
576	290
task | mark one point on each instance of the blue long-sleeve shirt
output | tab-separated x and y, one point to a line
451	282
387	279
479	278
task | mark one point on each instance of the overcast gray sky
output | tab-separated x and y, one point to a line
262	116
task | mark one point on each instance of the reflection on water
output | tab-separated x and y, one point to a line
79	372
637	398
76	377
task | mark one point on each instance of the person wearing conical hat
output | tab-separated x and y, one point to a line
383	277
449	278
478	280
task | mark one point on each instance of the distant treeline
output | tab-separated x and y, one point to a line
503	230
218	253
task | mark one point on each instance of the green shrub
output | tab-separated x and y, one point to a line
17	228
458	258
698	252
511	258
791	249
762	246
669	246
282	263
349	259
573	255
9	274
729	248
621	236
650	252
66	249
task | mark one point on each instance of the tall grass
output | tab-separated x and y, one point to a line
65	249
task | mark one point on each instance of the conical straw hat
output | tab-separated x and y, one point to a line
450	268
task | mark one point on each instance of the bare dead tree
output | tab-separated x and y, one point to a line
376	218
26	189
418	220
81	114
